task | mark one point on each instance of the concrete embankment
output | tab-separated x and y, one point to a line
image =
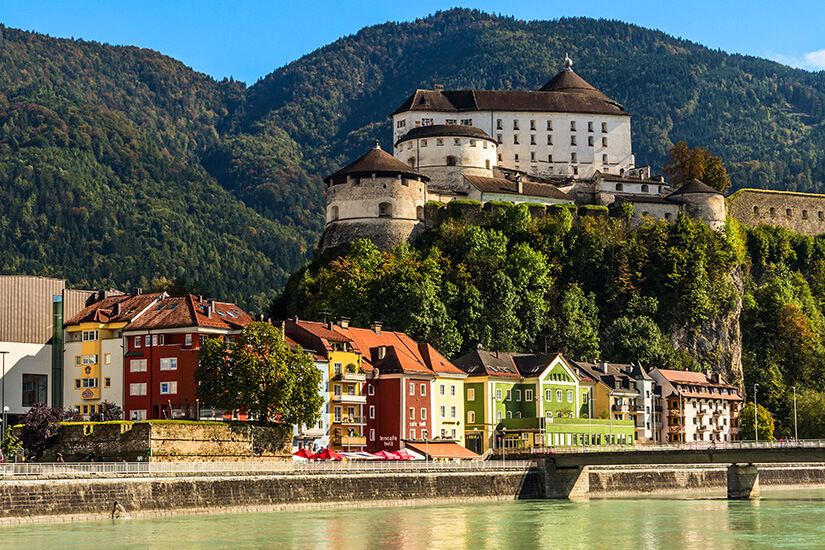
84	498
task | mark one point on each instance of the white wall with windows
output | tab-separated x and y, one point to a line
27	375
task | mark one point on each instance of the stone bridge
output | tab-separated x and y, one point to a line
565	472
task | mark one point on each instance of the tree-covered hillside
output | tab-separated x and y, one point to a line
120	166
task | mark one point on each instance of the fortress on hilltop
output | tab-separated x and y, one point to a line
566	143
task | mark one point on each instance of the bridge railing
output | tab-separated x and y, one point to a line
691	446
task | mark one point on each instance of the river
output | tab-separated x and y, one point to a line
780	519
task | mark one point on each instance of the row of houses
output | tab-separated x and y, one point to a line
380	389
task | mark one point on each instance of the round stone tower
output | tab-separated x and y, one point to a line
376	197
446	152
701	202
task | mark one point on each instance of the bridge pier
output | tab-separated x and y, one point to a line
567	482
743	481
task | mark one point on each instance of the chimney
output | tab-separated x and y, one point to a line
438	87
138	291
520	185
283	330
376	327
604	367
344	322
209	307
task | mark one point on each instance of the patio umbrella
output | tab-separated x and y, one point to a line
384	455
327	454
302	453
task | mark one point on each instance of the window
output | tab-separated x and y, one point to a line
337	368
439	142
137	341
549	139
372	411
498	416
518	395
423	390
188	340
498	124
371	389
337	414
169	363
509	414
77	383
549	125
423	414
645	188
528	395
532	156
589	126
423	143
412	413
385	210
515	139
466	122
35	389
604	127
372	434
471	417
604	142
788	212
515	124
454	433
548	395
443	411
412	388
498	394
569	396
137	365
471	394
619	187
89	382
450	121
137	415
558	396
336	389
89	335
107	358
499	140
755	210
148	341
550	158
516	157
443	433
805	214
168	387
532	139
590	141
604	159
452	411
572	125
107	382
412	434
456	141
472	143
452	390
572	140
137	389
427	121
584	398
773	211
85	409
509	395
442	389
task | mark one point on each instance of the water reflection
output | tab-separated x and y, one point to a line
787	519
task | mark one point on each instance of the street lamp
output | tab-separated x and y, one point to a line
795	433
5	412
755	425
610	417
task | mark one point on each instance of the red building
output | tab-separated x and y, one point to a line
161	356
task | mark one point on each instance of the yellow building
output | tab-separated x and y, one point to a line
448	396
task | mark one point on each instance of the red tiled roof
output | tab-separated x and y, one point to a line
437	362
402	354
114	309
190	311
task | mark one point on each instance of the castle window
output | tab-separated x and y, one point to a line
549	125
487	164
384	210
619	187
805	214
484	144
333	213
466	122
499	157
427	121
405	181
590	141
515	139
532	124
356	181
515	124
400	123
498	139
419	212
572	140
604	142
572	125
549	139
574	157
423	143
498	124
411	162
450	160
604	127
550	158
533	157
456	141
439	142
773	211
645	188
821	215
472	143
589	126
604	159
532	139
516	157
575	170
755	210
450	121
788	212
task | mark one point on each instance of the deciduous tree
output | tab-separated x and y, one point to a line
685	165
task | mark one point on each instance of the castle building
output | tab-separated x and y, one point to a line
564	143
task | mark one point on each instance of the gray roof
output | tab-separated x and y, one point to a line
695	186
529	189
376	162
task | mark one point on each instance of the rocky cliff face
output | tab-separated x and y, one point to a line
717	343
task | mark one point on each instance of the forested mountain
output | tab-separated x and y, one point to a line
119	166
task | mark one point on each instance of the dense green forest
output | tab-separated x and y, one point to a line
120	166
593	288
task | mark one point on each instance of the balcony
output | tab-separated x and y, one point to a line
350	399
702	411
701	428
676	429
717	413
350	420
349	440
311	432
640	408
350	377
621	408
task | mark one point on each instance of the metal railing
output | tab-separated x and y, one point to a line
84	469
692	446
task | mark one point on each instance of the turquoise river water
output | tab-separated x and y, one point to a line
781	519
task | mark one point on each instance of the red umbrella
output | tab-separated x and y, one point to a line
327	454
403	455
384	455
303	453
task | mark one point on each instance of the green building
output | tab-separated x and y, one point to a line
527	400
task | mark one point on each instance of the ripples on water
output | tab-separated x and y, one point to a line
788	519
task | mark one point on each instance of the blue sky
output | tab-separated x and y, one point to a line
247	39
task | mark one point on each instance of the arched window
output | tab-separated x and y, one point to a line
333	213
385	210
645	189
419	212
619	187
411	162
451	160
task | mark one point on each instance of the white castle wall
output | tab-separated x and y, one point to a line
430	156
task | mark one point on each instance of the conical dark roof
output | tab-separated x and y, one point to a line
695	186
377	162
568	81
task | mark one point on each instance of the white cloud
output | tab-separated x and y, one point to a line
812	61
